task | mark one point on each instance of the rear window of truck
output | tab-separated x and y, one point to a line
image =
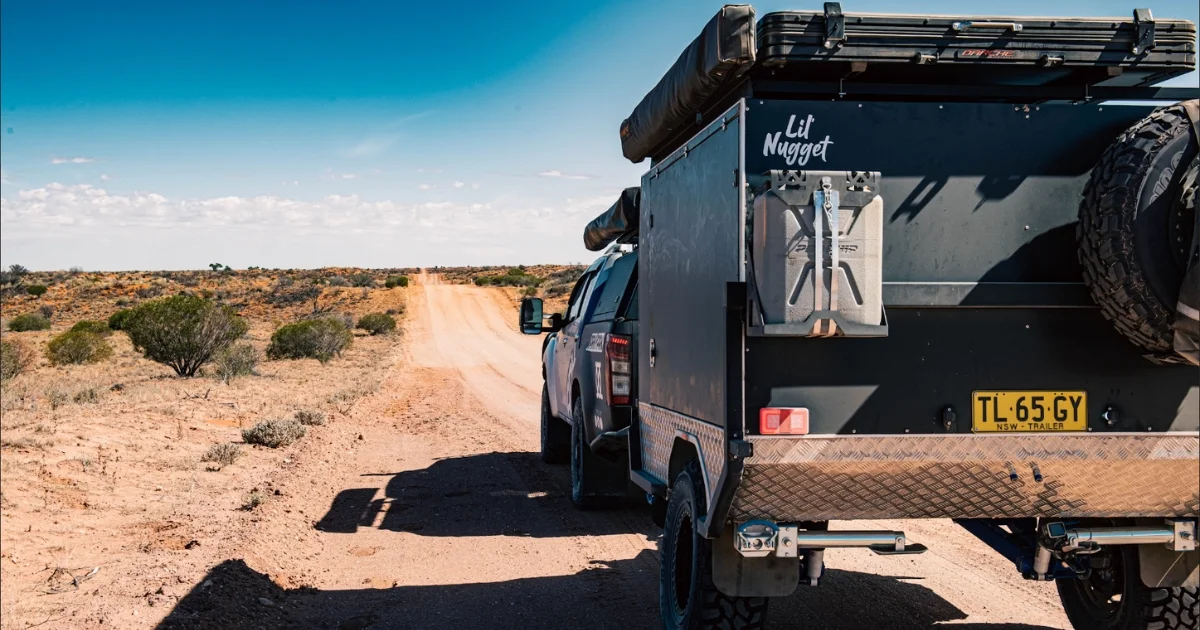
614	288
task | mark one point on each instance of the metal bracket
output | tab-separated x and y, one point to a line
740	449
756	539
1143	23
835	25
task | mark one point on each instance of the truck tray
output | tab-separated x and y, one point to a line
993	50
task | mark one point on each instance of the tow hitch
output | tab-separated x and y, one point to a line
1056	540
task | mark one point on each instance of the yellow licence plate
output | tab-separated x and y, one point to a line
1028	411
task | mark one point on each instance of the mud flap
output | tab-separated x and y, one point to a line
738	576
1162	567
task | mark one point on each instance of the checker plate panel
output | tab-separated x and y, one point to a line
968	476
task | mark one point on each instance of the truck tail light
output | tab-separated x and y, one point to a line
783	421
620	374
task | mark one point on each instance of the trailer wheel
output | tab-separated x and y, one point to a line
556	435
1113	597
687	597
1135	229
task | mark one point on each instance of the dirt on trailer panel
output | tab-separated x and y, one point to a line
426	507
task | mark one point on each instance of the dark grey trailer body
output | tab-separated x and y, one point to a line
981	291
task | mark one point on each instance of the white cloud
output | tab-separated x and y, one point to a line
4	177
459	184
105	178
372	146
349	176
425	187
562	175
71	160
429	170
475	185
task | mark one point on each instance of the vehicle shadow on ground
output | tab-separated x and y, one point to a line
490	494
621	594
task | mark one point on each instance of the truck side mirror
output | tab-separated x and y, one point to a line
531	316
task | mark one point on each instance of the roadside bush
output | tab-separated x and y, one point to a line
120	319
309	417
274	433
92	326
15	358
377	323
183	331
28	322
396	281
222	454
319	339
240	359
36	290
362	280
338	281
76	347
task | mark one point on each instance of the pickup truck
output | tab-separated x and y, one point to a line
897	267
589	365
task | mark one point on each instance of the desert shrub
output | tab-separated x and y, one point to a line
76	347
148	292
92	326
253	499
274	433
75	271
15	358
396	281
183	331
309	417
377	323
319	339
36	290
295	295
529	291
87	396
46	311
28	322
338	281
120	319
362	280
224	454
239	359
16	272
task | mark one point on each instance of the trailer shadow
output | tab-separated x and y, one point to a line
490	494
619	594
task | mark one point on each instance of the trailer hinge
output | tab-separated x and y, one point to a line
835	25
740	449
1143	23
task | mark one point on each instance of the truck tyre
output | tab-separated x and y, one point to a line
556	435
687	597
1135	230
585	465
1114	598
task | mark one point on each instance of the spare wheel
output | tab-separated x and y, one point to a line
1136	226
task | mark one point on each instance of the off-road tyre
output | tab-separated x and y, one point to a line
586	465
1134	230
1140	607
686	570
556	434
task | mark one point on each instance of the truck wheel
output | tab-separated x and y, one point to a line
1113	597
687	597
1135	229
556	435
585	465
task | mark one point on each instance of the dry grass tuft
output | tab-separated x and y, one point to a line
221	455
274	433
310	417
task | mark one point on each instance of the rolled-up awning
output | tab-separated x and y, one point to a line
620	219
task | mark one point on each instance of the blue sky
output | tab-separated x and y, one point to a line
302	134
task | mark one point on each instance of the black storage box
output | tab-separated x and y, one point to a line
1134	50
984	58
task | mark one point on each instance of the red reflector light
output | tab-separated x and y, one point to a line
783	421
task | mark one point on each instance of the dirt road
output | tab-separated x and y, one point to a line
430	509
